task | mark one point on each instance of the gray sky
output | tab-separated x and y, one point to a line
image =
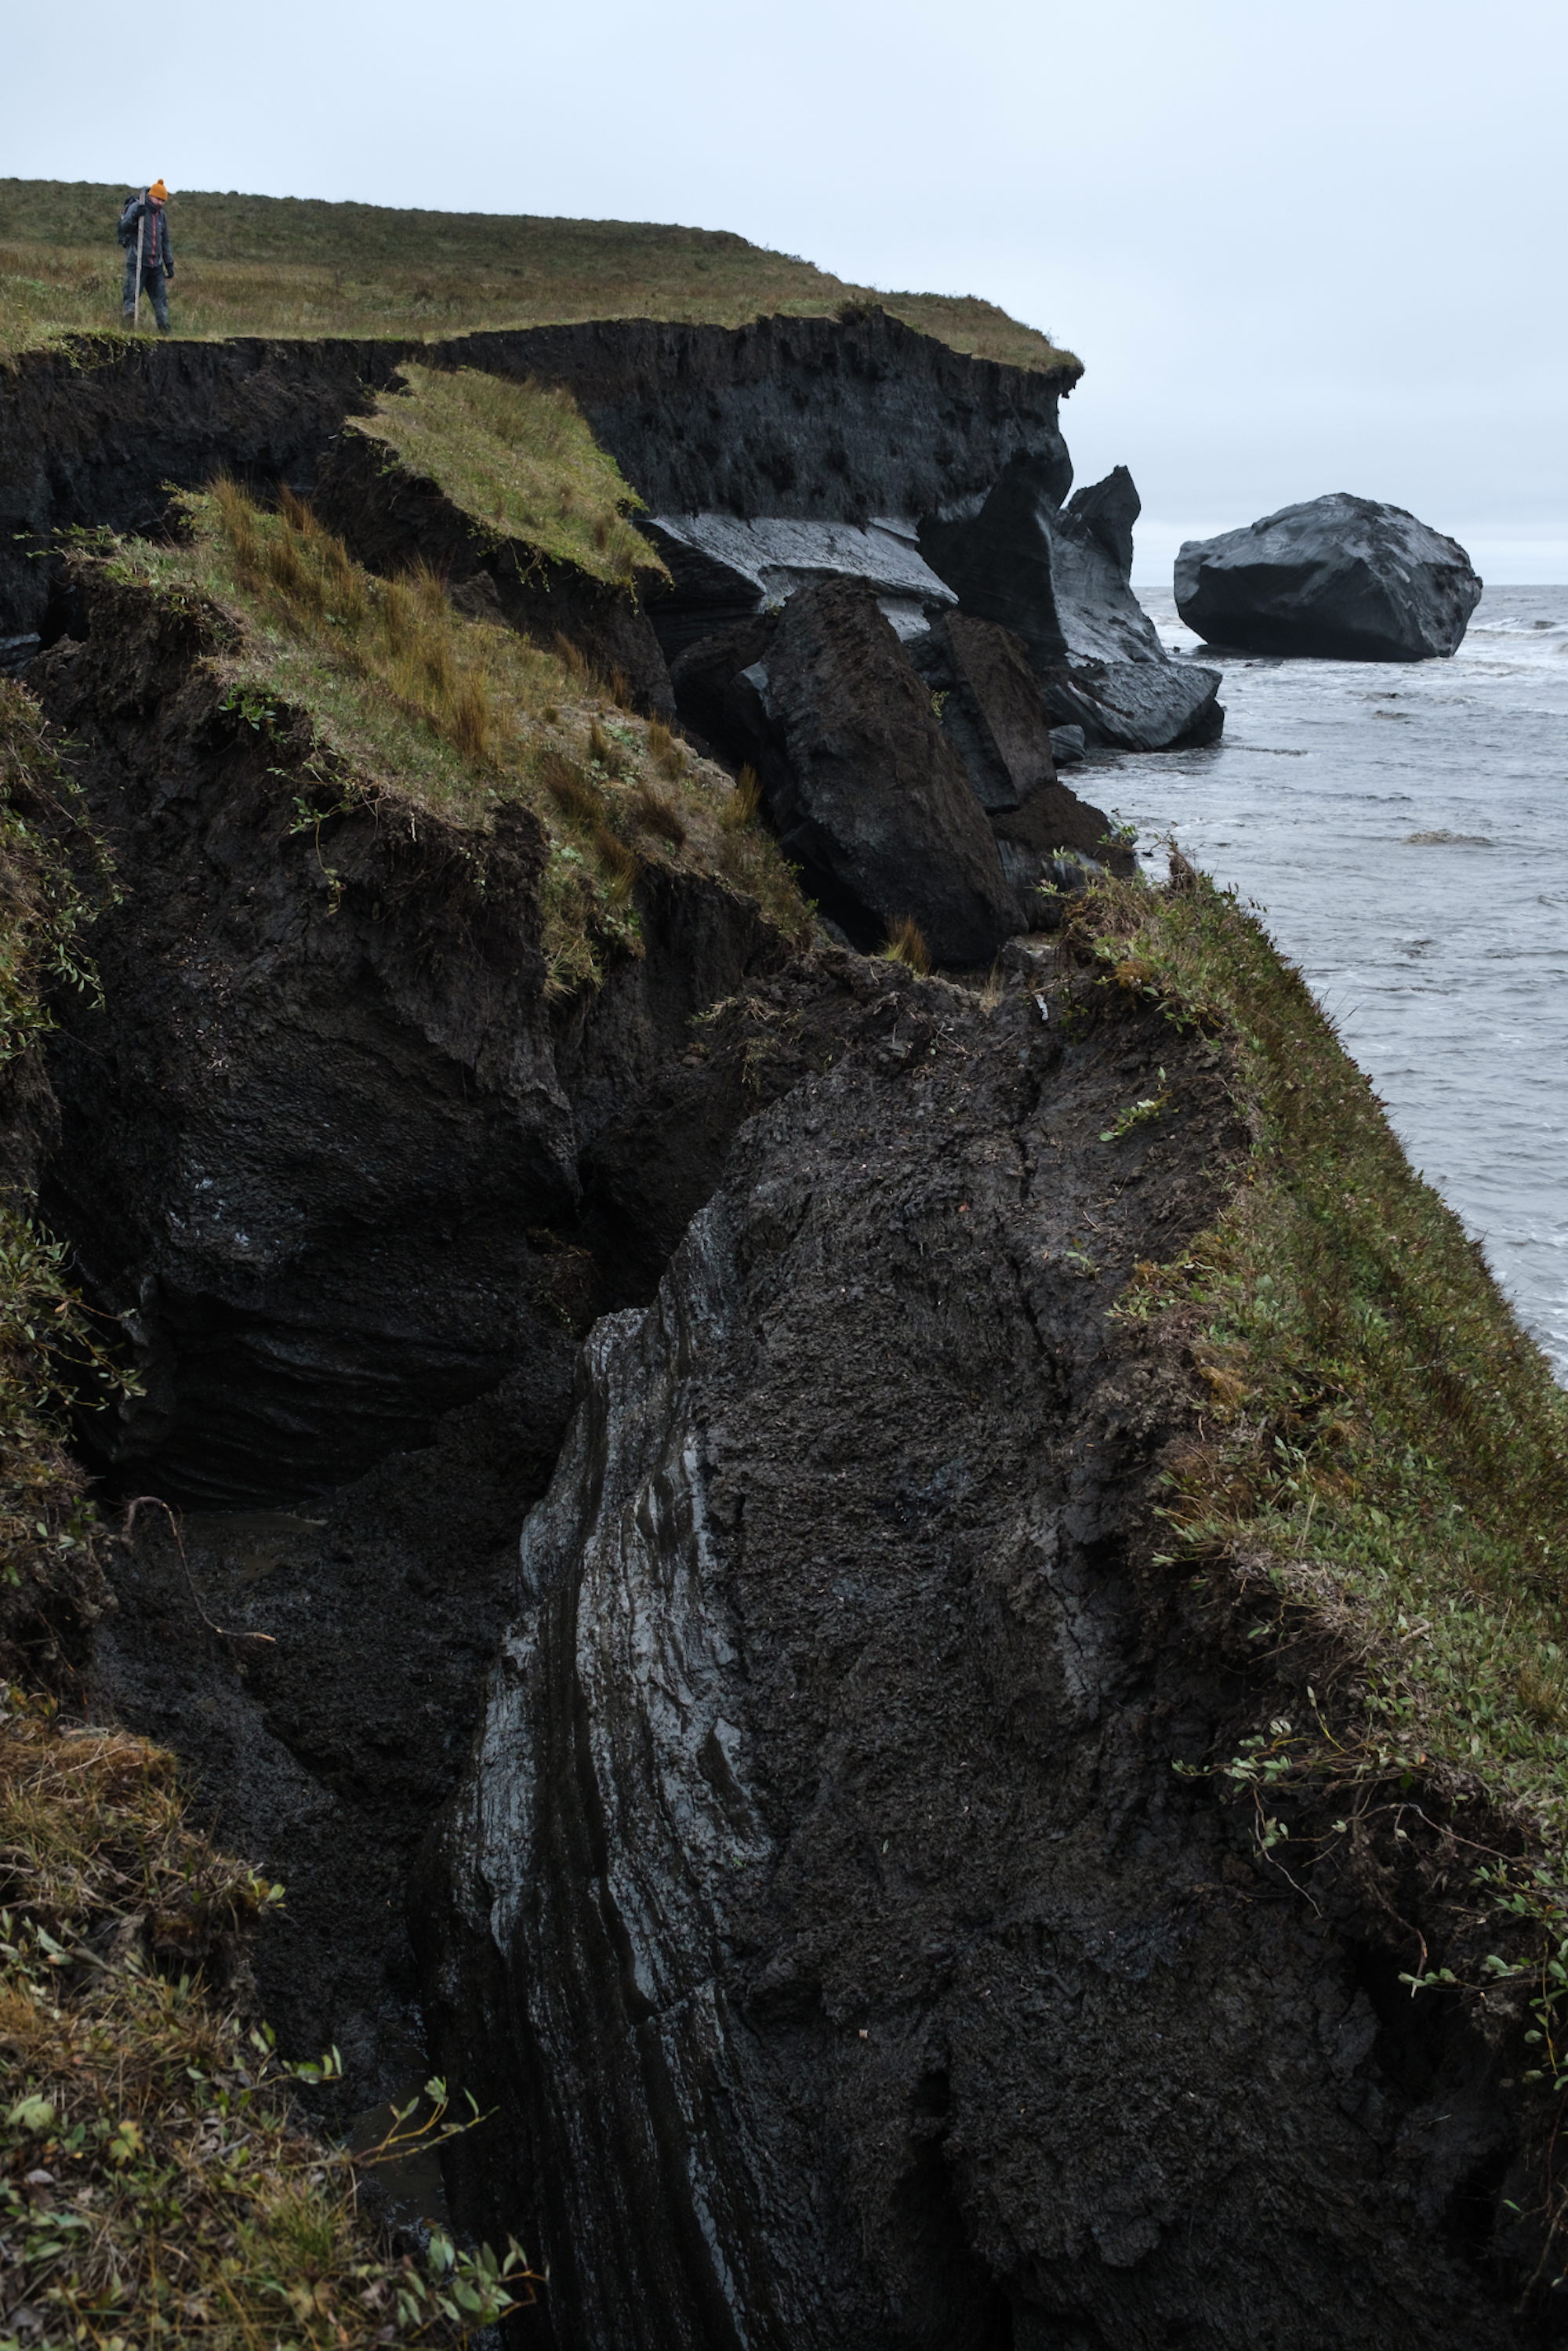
1299	248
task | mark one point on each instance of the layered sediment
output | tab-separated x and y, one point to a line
857	1966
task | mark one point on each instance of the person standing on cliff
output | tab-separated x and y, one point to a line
145	223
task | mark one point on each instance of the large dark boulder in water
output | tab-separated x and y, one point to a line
823	1916
1340	578
1059	576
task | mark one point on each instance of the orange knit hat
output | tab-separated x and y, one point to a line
159	192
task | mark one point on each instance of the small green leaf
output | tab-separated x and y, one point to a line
32	2113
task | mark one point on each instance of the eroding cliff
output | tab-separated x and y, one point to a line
823	1906
842	419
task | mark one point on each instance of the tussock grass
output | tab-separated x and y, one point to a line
744	807
584	806
153	2187
412	703
603	752
285	265
402	636
1383	1445
751	857
667	755
50	1350
907	944
44	913
651	812
520	460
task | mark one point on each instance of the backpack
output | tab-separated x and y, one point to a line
128	219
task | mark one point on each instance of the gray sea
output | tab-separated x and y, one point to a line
1404	830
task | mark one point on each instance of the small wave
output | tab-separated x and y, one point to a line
1455	840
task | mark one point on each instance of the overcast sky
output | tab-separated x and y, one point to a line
1299	247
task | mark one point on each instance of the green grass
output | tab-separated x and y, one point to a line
410	703
518	459
44	914
153	2185
1385	1449
289	266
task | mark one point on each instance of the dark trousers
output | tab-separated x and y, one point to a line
154	287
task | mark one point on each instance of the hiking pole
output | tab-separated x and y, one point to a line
140	232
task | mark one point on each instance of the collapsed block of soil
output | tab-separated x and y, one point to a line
822	1912
392	516
725	570
320	1147
862	788
1060	577
991	706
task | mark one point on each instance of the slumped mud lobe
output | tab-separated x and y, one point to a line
823	1906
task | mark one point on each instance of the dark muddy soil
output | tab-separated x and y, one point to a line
322	1752
98	435
319	1670
823	1903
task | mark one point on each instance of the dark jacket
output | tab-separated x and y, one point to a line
157	253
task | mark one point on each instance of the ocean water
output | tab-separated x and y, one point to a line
1404	830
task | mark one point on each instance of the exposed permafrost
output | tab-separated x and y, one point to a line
849	1962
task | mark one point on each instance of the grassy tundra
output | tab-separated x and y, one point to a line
293	266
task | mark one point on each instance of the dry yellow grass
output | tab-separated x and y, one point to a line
153	2187
409	701
907	944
